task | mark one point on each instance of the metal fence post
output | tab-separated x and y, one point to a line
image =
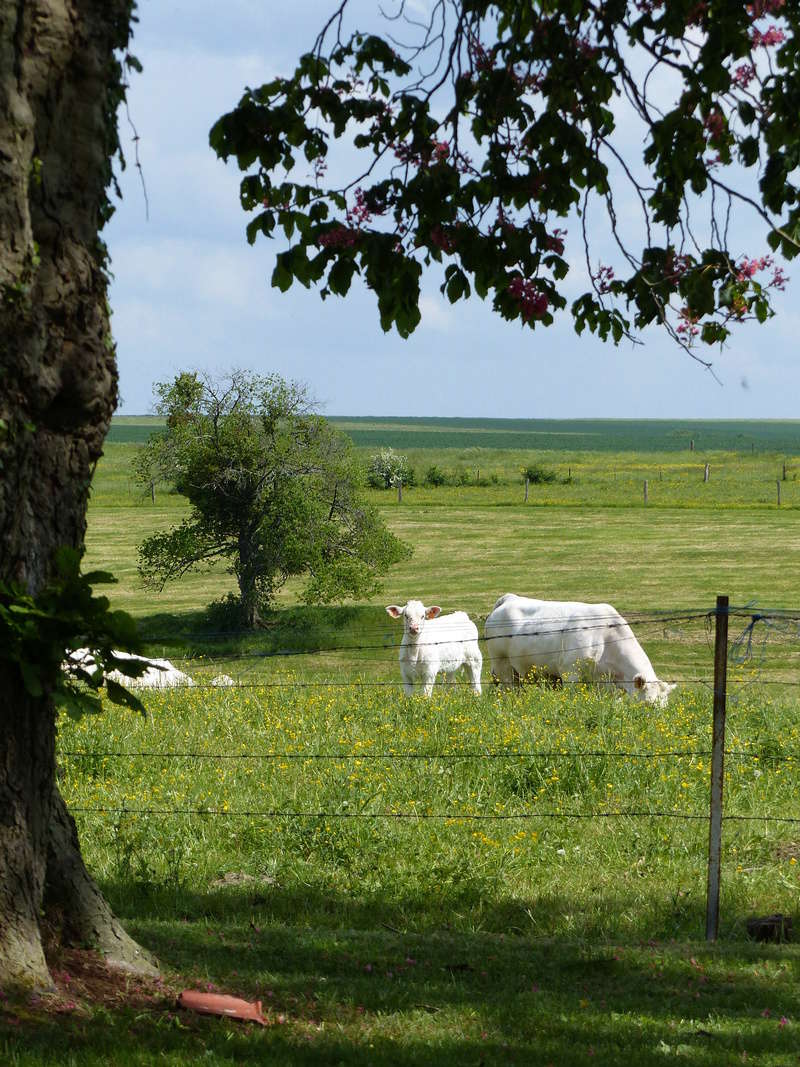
717	768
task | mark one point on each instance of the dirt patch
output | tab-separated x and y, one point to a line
237	878
83	983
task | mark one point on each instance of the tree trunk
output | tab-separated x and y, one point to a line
74	904
247	574
27	743
59	90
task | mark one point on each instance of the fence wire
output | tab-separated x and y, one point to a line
761	630
450	816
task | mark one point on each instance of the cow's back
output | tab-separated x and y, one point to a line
522	632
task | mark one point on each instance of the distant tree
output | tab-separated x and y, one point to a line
388	468
538	475
476	129
435	476
273	489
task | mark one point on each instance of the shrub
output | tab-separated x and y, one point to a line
435	476
538	475
225	615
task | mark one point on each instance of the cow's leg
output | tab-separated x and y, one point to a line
474	666
428	678
408	681
502	672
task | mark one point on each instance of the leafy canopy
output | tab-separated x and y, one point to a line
473	133
273	488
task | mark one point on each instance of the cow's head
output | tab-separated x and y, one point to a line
654	691
414	615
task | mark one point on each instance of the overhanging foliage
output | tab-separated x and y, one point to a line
488	123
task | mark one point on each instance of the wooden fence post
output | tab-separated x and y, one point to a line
645	490
717	768
705	473
691	445
526	490
784	470
153	491
778	483
400	491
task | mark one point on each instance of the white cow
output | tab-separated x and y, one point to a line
433	642
159	673
565	639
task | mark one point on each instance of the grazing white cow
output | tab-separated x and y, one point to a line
159	673
565	639
433	642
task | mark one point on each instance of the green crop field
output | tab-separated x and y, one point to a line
558	435
471	878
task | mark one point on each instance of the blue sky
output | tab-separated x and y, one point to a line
188	291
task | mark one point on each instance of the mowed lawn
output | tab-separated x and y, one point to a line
474	880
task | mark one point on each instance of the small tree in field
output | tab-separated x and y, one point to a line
387	469
273	488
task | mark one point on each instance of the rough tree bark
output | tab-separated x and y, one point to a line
59	88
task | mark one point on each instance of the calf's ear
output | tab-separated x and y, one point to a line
433	611
639	681
394	610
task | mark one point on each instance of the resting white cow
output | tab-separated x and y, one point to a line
159	673
433	642
564	639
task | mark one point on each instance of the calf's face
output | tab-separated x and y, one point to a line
414	615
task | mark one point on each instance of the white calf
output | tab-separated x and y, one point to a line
433	642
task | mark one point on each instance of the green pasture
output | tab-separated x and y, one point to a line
473	879
559	435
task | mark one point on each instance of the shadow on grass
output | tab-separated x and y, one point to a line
379	996
288	630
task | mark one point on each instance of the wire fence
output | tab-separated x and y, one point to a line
760	630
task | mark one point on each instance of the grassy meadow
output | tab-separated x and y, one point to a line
475	879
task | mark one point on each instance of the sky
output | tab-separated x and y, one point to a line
189	292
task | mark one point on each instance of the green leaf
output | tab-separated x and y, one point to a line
118	694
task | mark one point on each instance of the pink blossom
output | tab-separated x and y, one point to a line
339	237
359	214
532	302
772	35
743	75
748	268
604	278
714	122
687	329
441	150
586	48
